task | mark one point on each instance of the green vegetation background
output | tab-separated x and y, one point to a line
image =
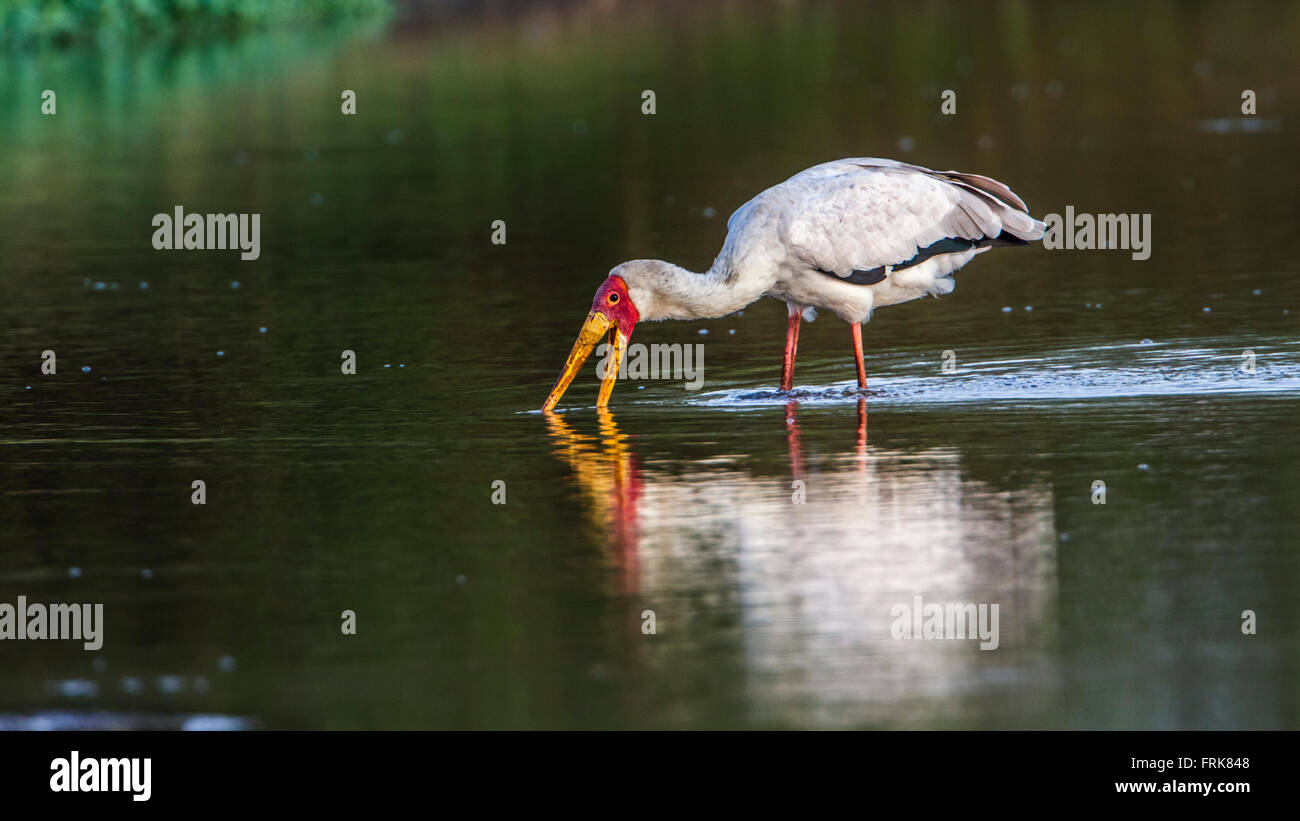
35	23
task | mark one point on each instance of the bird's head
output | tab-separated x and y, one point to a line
613	314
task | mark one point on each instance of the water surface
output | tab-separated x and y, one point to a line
373	492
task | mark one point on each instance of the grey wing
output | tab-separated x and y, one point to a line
861	219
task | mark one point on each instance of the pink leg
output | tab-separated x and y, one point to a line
857	353
791	346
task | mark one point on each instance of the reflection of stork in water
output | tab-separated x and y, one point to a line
811	585
606	472
796	449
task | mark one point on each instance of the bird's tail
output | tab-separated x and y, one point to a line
1022	226
1012	210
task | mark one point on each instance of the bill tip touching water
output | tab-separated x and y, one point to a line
847	236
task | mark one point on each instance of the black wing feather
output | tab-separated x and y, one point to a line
947	245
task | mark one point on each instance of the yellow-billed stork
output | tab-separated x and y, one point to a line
846	236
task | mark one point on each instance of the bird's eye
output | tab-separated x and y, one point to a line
613	298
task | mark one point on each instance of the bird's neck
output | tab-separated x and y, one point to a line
683	294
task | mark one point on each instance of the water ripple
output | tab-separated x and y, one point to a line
1146	369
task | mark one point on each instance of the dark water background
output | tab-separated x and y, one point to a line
373	492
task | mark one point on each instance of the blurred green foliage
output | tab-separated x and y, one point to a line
36	23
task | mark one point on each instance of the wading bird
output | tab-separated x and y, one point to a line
846	236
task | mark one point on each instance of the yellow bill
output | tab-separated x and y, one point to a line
596	326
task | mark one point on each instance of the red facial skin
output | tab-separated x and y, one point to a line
613	301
